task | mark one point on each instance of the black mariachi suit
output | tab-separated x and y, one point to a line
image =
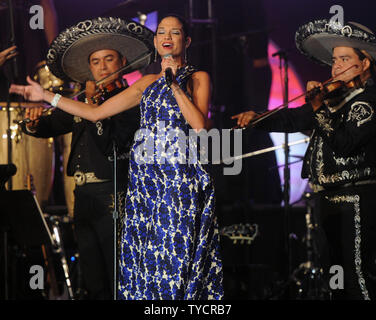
91	151
340	163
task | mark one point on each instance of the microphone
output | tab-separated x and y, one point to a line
169	76
168	72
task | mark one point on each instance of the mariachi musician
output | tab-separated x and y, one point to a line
340	162
89	52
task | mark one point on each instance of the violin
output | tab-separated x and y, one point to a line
102	93
332	93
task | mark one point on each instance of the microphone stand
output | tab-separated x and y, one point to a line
261	151
308	277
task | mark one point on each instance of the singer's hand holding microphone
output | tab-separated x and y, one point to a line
169	68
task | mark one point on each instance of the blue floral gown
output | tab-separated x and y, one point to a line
169	247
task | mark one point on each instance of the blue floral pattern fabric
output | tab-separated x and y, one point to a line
170	240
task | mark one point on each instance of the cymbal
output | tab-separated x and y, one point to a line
131	8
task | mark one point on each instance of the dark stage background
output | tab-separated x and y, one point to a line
283	19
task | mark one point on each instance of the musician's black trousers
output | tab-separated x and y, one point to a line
348	219
93	225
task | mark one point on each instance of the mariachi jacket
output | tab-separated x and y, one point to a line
92	143
342	146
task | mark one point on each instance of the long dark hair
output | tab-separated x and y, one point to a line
362	56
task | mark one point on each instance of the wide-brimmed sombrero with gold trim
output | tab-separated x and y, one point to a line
68	55
317	39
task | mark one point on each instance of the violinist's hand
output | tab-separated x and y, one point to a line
33	114
7	54
32	92
244	118
317	100
90	90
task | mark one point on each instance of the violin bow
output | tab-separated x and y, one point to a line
267	114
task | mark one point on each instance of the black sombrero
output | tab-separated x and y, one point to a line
317	39
68	54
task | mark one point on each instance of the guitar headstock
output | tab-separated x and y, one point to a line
241	232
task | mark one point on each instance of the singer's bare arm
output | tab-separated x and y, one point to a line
195	111
125	100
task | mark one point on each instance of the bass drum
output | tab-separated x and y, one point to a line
33	157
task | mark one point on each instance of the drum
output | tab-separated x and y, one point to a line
33	157
48	81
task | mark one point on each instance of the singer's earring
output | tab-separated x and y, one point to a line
185	55
155	54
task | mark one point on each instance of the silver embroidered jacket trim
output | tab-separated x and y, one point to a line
324	123
350	160
360	112
355	200
121	156
344	175
99	126
339	176
345	100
